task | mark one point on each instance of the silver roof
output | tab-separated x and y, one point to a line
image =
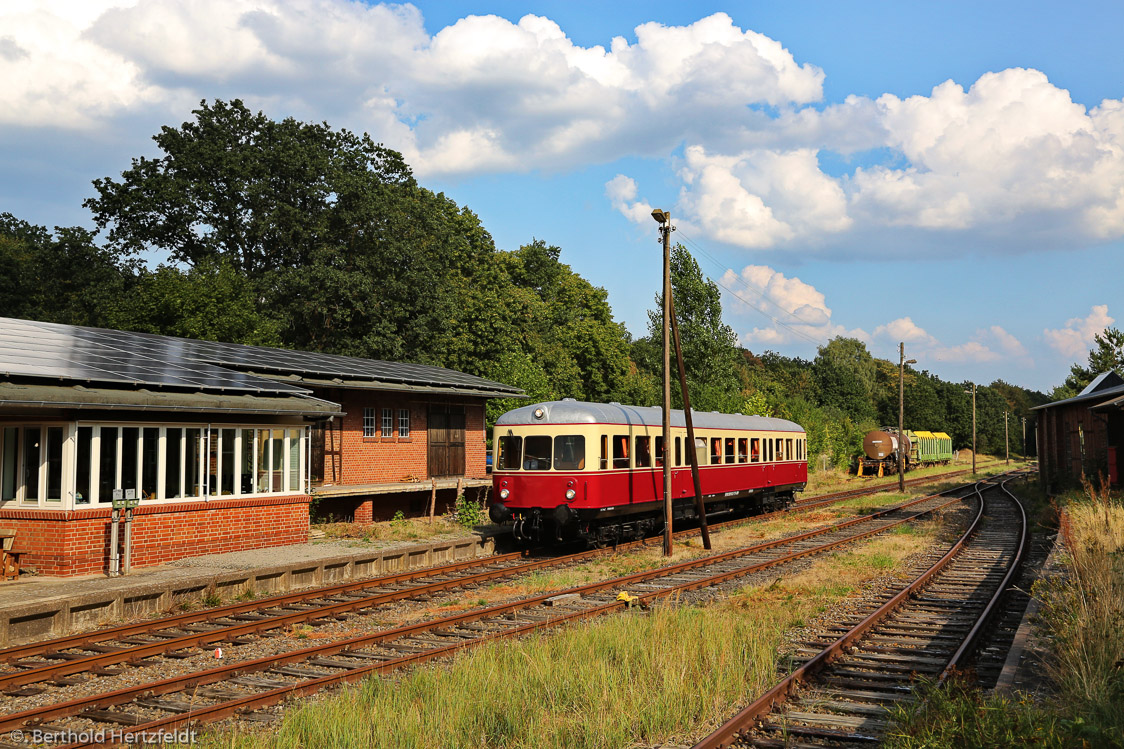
578	412
1104	385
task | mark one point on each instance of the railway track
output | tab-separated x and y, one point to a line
239	688
96	652
852	674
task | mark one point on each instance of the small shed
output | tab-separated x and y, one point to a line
1083	437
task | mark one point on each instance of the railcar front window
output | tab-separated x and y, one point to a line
569	452
536	453
511	453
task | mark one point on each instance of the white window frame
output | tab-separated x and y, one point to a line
387	431
403	423
370	422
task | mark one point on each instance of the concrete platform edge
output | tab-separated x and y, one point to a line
56	616
1013	675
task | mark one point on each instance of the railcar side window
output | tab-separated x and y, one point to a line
620	451
604	451
659	452
755	450
569	452
536	453
788	449
511	453
780	449
768	451
729	449
743	449
643	452
678	451
715	450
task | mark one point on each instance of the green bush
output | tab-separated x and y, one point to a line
468	513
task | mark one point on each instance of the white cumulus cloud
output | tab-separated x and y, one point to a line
798	309
1010	157
1076	337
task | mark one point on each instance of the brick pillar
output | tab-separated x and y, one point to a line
365	511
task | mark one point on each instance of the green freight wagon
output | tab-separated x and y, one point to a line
930	448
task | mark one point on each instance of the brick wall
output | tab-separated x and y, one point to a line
77	542
351	458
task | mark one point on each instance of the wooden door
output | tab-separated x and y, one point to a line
445	431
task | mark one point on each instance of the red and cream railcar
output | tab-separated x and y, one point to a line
567	469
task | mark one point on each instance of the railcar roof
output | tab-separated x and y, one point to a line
578	412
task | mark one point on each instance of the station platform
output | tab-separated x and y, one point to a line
36	608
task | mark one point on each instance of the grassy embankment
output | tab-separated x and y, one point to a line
641	678
1082	618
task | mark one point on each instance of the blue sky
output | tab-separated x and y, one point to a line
947	174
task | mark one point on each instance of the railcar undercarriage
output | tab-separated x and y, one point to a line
543	525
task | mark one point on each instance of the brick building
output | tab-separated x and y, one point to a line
223	445
1083	437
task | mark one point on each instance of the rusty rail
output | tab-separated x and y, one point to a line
78	706
745	719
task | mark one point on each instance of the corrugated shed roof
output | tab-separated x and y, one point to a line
1107	384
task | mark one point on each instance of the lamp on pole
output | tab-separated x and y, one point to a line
901	413
973	392
663	218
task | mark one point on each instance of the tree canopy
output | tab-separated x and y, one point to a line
1107	355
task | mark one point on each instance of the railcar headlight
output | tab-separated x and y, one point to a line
504	493
570	494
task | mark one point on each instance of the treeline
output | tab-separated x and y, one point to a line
298	235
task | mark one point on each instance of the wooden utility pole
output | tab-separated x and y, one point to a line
1006	438
973	429
1024	438
901	413
664	220
692	454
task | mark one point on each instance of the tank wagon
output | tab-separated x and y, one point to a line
880	450
594	471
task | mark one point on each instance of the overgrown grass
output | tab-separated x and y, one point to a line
637	679
399	529
1086	614
955	716
1082	618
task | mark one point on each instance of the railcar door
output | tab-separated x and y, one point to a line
644	483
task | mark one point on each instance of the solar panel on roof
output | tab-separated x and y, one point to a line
38	349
